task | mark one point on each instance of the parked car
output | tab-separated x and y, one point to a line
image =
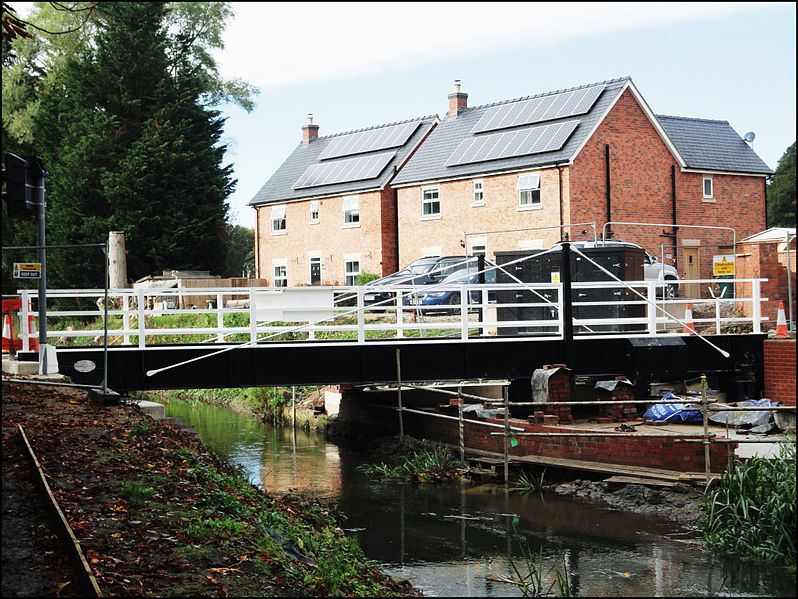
412	274
653	269
448	300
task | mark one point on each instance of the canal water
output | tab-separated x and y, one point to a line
454	540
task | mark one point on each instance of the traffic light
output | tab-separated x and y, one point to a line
24	179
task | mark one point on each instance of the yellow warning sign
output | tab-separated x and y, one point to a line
27	270
555	276
722	266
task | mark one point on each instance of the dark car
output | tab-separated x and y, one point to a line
446	298
414	273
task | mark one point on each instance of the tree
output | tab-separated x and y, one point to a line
781	192
241	253
132	145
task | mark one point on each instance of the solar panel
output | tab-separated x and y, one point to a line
369	141
341	171
521	142
536	110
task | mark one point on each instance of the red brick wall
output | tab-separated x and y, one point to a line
616	448
780	370
640	184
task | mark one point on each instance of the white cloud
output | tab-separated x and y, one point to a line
276	44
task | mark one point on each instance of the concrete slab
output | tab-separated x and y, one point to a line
156	410
17	368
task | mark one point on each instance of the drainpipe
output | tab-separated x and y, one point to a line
674	228
765	183
609	196
396	228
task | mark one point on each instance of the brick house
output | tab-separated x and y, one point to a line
507	175
329	213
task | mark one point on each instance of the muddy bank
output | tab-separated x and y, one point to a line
680	504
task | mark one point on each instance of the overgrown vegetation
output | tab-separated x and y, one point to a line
421	461
529	483
531	577
752	513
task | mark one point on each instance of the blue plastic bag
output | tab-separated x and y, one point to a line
674	412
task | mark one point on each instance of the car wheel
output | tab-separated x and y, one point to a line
454	301
671	289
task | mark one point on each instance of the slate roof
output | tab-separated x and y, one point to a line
428	163
280	186
712	145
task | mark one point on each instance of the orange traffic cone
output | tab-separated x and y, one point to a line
688	320
781	323
7	339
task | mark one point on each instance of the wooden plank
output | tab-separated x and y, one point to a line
88	582
633	480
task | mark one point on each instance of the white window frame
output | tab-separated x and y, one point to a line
479	192
528	184
314	212
430	201
711	196
278	220
478	245
350	278
350	208
431	252
280	280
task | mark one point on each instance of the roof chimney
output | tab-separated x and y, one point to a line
458	101
310	131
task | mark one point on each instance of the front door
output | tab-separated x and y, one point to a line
692	270
315	271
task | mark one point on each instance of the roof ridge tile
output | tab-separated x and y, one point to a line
419	118
690	118
550	93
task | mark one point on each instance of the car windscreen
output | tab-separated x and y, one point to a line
419	267
447	266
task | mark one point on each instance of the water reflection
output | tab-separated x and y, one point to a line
453	540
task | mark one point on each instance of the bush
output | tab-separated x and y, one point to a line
752	513
366	277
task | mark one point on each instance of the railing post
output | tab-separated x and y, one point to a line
717	315
463	313
400	333
483	311
461	423
125	317
24	321
219	317
756	306
651	309
253	316
140	313
361	317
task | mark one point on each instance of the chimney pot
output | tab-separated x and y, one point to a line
458	100
310	132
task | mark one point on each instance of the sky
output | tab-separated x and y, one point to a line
355	65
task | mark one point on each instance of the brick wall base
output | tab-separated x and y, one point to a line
780	370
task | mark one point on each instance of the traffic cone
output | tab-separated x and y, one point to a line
781	323
688	320
7	339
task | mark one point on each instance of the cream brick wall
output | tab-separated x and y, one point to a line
330	239
459	215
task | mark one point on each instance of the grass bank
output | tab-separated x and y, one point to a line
158	515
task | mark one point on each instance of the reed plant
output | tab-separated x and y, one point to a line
752	512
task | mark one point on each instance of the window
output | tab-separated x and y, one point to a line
278	220
314	212
478	245
431	252
351	208
479	195
352	270
280	275
529	191
708	188
430	203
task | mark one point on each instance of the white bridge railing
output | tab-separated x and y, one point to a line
146	317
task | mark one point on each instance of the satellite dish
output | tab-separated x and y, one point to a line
749	137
